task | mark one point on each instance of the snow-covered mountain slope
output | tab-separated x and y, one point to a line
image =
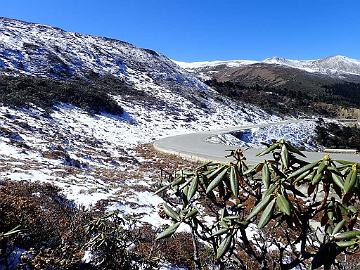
93	157
228	63
40	50
334	66
204	70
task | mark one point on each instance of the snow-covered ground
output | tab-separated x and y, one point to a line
93	157
298	134
96	158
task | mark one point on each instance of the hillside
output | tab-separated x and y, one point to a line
75	109
48	52
327	87
78	114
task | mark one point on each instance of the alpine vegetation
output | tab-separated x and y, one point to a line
84	185
281	213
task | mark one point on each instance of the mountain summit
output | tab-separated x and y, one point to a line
334	66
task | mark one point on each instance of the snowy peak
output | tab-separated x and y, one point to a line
333	66
282	61
228	63
206	69
339	58
340	64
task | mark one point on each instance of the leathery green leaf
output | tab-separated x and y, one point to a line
254	169
170	212
178	181
161	189
169	231
223	224
321	167
193	187
223	247
344	162
12	231
234	185
337	179
338	227
345	244
317	178
215	173
303	169
268	150
214	183
284	155
349	181
294	150
302	176
266	215
262	204
266	175
283	204
346	235
193	212
270	190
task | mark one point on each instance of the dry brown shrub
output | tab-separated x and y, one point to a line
50	224
53	231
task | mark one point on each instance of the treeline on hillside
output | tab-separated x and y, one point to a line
332	135
289	101
91	95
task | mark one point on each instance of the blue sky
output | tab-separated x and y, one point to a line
196	30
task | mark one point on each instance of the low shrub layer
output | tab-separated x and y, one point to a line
92	96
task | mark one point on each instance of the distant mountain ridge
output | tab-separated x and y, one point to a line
334	66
